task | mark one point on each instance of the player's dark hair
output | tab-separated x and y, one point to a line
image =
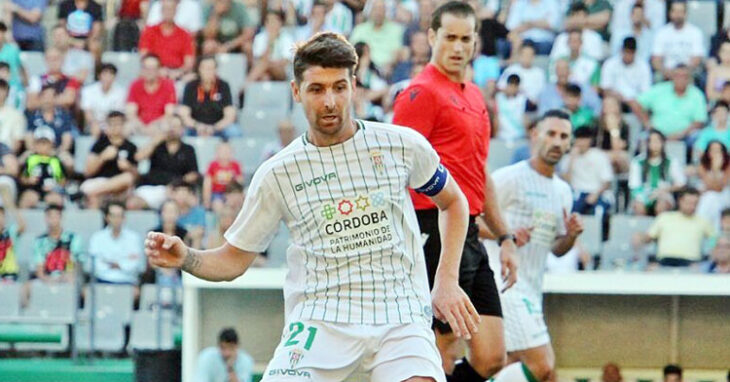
53	207
228	335
673	369
456	8
328	50
116	114
577	7
513	79
108	206
573	90
555	113
109	67
584	132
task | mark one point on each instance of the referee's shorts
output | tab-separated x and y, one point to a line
475	276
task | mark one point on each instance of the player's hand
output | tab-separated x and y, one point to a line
452	305
573	224
509	264
522	235
164	250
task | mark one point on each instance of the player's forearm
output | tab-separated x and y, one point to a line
224	263
453	224
492	216
563	244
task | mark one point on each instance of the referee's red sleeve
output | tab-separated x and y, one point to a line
415	107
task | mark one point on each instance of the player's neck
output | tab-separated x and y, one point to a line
323	140
545	169
457	77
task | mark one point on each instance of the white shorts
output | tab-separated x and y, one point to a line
330	352
524	325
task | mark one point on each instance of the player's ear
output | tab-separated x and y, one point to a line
295	91
431	37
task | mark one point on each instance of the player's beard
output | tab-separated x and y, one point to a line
551	159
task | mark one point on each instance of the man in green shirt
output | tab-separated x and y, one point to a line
10	54
580	116
678	109
228	27
383	36
599	15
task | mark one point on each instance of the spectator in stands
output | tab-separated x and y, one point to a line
42	175
624	76
588	171
639	31
533	20
422	22
611	373
287	132
224	220
622	20
57	253
272	51
339	18
679	234
672	373
186	15
487	64
583	69
111	168
315	22
580	115
717	130
369	77
418	53
171	43
592	45
12	121
83	21
66	87
598	15
718	75
613	135
171	159
532	78
228	27
552	95
524	151
117	251
225	362
150	98
101	98
677	43
384	37
8	172
10	54
16	93
511	106
234	196
26	17
221	172
9	233
168	277
207	105
677	107
720	259
653	177
192	215
714	174
55	118
77	63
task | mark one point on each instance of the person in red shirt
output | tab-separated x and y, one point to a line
150	98
451	114
171	43
223	171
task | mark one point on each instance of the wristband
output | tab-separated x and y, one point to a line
504	237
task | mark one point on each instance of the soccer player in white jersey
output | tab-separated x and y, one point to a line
357	293
536	202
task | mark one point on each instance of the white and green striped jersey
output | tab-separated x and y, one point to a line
356	254
529	199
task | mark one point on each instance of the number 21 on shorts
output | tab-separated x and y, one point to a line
295	329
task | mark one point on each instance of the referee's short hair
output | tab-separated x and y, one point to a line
326	49
456	8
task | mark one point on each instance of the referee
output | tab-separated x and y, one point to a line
452	115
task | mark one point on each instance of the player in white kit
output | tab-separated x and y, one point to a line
536	202
357	293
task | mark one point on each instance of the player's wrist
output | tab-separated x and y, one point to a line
508	238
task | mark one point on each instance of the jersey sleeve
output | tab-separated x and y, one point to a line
415	108
259	218
567	205
427	175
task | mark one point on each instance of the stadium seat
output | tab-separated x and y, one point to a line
144	330
205	148
127	64
592	237
34	63
500	153
248	151
83	223
148	297
82	146
108	333
677	150
703	14
10	300
142	221
230	69
274	96
261	123
114	300
56	301
617	251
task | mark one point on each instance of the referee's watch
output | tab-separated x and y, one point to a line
504	237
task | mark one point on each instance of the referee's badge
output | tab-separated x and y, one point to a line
377	159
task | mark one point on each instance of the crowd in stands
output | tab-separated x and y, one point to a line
647	91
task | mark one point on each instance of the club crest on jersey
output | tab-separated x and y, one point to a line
377	159
294	357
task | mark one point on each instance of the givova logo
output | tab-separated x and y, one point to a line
290	373
315	181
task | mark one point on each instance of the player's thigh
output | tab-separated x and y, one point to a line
486	347
315	351
406	351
